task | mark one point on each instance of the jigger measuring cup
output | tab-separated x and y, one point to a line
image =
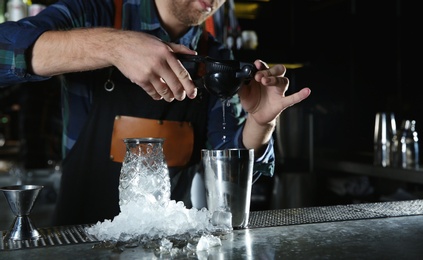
385	129
228	180
21	199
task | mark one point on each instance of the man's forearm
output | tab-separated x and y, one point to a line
256	136
58	52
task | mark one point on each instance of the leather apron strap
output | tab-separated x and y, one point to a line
118	14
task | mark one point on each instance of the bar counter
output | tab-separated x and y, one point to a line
385	230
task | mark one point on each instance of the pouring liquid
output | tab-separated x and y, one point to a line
225	103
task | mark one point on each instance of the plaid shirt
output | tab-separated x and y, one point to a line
16	38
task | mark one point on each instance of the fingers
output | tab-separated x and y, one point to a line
158	89
179	48
168	79
179	80
273	76
184	85
154	67
169	86
297	97
174	82
161	89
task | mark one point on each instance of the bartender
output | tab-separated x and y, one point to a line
118	70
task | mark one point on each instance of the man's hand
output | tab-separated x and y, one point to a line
151	64
264	99
142	58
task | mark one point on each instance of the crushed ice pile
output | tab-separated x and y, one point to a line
147	214
153	220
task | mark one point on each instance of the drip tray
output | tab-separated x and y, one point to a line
68	235
54	236
308	215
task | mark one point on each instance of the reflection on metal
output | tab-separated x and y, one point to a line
21	199
51	236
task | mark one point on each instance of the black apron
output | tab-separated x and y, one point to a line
90	179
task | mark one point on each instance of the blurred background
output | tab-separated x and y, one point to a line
358	57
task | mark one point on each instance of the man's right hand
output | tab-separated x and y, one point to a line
144	59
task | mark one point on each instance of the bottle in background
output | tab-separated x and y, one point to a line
2	11
405	146
34	9
16	10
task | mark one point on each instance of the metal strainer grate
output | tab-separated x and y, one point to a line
297	216
52	236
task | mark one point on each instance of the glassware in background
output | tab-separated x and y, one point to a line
34	9
405	146
2	11
16	10
385	130
249	40
2	138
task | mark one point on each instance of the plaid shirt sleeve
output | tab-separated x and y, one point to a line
14	43
17	38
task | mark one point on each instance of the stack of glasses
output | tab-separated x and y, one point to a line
395	148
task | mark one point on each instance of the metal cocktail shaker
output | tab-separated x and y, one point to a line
228	178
